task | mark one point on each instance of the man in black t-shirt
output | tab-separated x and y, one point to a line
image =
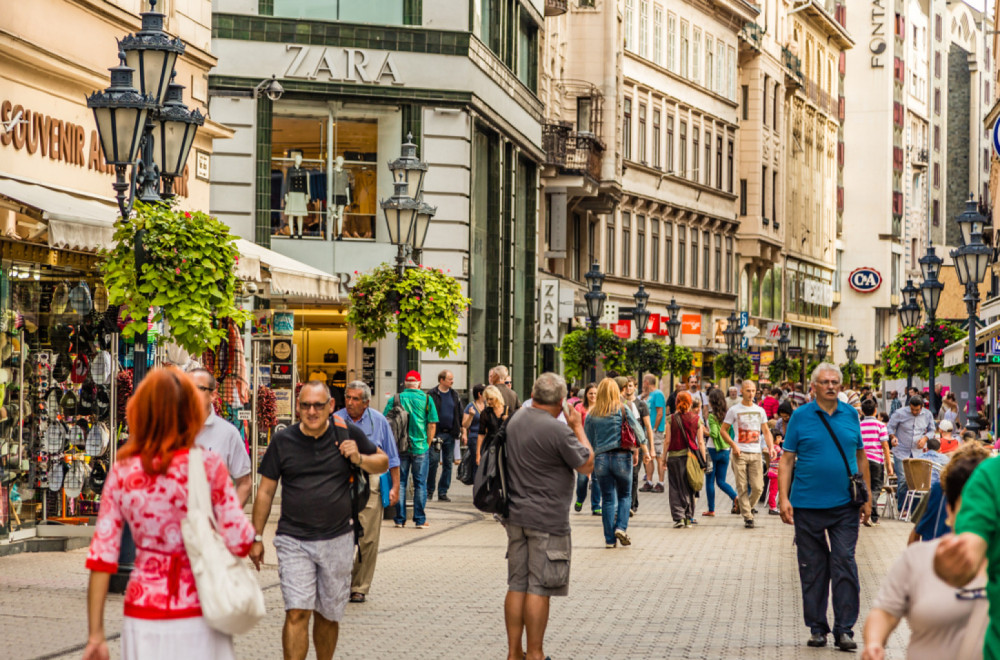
315	542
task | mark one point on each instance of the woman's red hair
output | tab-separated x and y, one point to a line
683	402
164	416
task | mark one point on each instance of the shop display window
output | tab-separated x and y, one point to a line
382	12
324	175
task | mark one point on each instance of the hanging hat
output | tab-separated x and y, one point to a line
55	437
77	435
81	368
88	398
98	475
60	298
77	474
103	403
52	396
100	368
62	368
57	471
100	298
98	439
80	298
68	403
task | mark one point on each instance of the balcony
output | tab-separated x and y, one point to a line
556	7
753	35
793	67
919	157
819	96
572	152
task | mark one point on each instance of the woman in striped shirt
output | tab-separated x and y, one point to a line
876	439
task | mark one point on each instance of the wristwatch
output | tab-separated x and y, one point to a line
257	538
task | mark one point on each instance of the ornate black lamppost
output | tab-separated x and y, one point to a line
852	354
930	291
595	299
641	313
673	329
909	317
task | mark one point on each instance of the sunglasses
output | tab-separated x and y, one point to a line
313	406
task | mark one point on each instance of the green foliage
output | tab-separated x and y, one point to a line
877	376
853	375
810	368
910	352
784	368
739	365
653	353
679	360
579	353
188	277
425	304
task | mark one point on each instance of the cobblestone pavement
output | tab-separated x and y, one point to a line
715	591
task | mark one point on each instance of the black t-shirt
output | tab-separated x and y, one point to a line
314	476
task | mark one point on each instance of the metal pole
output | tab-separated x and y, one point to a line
932	363
971	300
592	344
254	444
673	342
401	350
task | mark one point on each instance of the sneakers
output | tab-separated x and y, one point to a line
423	525
444	498
596	512
773	512
692	521
646	488
658	488
610	546
578	507
748	523
868	523
402	524
686	522
622	537
678	524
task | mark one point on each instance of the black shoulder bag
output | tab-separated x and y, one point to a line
856	488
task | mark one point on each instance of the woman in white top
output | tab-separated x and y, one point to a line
945	623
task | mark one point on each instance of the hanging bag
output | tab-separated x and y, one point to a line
856	488
490	490
695	461
231	599
628	434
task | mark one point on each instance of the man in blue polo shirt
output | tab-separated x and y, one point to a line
820	506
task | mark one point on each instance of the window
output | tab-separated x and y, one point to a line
774	198
937	27
731	69
640	247
683	169
775	103
720	62
654	244
584	114
627	130
937	138
718	163
609	248
629	19
729	264
763	193
668	257
527	52
718	262
381	12
574	261
696	153
743	196
671	42
642	133
745	101
685	47
670	144
708	158
626	244
937	175
658	35
937	101
681	254
709	62
706	250
937	64
936	213
767	82
730	166
643	28
696	56
694	257
656	138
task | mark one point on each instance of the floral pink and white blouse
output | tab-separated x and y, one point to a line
162	585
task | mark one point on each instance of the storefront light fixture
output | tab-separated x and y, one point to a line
272	88
821	345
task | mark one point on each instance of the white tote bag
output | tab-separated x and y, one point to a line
231	599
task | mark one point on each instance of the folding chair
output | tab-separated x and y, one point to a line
918	481
889	489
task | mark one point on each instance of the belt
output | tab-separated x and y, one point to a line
177	561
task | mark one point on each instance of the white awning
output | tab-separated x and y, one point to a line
291	277
954	355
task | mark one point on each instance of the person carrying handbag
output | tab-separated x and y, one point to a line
163	611
686	440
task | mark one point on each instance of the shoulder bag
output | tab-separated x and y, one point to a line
231	599
856	488
628	435
695	461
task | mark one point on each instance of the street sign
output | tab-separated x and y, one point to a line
794	351
626	313
994	346
996	137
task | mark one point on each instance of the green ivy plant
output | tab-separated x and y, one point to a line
784	368
579	354
653	355
188	278
910	352
425	304
678	360
739	365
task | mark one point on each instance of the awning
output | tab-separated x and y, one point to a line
954	355
78	221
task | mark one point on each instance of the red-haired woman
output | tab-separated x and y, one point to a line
686	434
147	488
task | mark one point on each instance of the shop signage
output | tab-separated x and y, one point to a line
751	331
697	360
817	293
548	326
794	351
243	415
864	279
653	325
283	404
281	374
342	65
663	329
610	313
691	324
368	365
622	328
282	350
876	42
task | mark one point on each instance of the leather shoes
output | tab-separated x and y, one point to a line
817	640
846	643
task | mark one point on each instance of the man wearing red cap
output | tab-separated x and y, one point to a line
423	422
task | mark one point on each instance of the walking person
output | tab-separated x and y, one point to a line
908	429
314	461
657	403
415	461
826	521
542	454
494	414
640	411
146	489
750	422
582	480
471	419
685	434
220	436
612	462
876	439
357	410
718	451
448	431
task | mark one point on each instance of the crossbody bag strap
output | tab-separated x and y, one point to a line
847	465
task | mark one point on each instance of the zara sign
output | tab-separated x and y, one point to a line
864	279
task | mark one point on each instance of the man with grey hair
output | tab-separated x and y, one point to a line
357	397
500	377
541	456
821	437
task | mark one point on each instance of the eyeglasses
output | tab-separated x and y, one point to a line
204	389
971	594
305	405
828	383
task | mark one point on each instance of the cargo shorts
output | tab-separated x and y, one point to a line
537	562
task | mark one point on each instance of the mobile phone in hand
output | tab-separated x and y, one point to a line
567	410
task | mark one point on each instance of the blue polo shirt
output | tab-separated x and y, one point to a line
656	402
820	480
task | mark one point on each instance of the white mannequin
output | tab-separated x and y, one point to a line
341	194
297	195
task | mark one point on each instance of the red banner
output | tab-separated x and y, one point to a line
622	328
653	326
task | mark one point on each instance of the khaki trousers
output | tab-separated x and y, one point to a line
364	561
748	468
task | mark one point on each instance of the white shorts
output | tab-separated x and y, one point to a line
316	575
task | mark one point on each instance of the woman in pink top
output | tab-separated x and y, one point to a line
147	488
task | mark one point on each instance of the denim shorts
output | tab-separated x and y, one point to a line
537	562
316	575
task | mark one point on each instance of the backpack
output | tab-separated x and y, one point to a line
399	422
490	491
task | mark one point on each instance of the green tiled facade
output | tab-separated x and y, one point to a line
344	35
413	12
265	7
263	172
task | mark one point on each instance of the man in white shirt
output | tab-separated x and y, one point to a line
697	394
750	421
220	436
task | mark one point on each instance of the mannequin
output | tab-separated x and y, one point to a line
341	194
296	195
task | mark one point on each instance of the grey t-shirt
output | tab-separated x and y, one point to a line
221	437
542	453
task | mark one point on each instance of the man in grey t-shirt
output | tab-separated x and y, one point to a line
221	437
541	456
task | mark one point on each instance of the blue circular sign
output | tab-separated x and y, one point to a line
996	137
865	279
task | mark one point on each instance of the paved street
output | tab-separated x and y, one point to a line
715	591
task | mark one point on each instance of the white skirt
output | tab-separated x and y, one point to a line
169	639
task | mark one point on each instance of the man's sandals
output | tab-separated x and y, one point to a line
357	597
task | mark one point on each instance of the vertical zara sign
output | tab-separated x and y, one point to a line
548	326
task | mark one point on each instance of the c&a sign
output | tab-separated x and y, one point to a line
864	279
